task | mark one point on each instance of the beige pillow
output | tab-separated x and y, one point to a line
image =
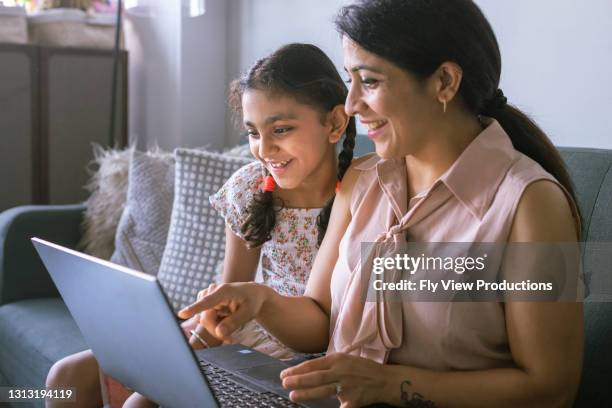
108	187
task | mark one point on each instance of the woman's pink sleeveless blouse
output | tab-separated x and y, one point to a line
473	201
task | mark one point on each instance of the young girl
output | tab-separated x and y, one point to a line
277	208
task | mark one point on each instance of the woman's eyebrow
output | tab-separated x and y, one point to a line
364	67
271	119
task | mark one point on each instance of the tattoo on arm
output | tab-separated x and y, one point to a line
414	400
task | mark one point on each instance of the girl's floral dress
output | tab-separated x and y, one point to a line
286	259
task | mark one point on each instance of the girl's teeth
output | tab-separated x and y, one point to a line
279	165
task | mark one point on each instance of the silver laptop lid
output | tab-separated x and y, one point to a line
127	321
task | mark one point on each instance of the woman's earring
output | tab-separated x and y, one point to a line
444	106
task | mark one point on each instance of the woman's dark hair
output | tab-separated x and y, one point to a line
419	35
303	72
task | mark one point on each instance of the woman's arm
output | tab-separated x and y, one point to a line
546	341
302	322
240	262
546	338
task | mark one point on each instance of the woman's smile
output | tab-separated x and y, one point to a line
375	128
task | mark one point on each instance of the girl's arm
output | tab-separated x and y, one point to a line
546	338
239	265
240	262
302	322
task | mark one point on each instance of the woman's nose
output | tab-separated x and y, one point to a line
354	104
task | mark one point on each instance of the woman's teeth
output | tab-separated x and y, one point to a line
376	125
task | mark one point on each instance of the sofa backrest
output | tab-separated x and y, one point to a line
591	172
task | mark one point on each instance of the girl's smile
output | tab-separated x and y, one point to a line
278	168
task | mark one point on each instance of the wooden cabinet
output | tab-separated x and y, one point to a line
54	103
19	125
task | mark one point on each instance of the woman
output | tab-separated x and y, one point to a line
455	163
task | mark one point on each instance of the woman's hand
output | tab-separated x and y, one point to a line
226	307
356	381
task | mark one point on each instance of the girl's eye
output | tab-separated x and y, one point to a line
251	133
282	130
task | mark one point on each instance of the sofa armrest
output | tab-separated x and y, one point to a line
22	274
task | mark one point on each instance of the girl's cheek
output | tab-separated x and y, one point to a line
254	150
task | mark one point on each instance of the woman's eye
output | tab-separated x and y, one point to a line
348	81
282	130
369	82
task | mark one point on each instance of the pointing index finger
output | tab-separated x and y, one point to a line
207	302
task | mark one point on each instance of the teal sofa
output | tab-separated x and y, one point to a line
36	329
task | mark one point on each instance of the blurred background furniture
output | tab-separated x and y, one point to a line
55	102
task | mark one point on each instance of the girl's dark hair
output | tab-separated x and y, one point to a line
304	72
419	35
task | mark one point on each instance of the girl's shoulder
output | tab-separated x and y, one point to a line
234	198
245	179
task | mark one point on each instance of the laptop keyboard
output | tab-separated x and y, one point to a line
231	394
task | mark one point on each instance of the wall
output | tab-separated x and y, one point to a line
557	57
153	42
177	74
556	54
255	28
204	77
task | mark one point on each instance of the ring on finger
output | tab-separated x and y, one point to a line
200	339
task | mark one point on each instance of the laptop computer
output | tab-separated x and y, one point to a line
131	328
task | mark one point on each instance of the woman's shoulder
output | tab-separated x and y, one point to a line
545	212
365	162
541	201
524	170
356	181
360	165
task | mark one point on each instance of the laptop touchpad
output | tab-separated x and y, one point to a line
267	376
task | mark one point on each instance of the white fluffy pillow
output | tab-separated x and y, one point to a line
108	187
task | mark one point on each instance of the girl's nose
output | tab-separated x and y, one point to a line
267	147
